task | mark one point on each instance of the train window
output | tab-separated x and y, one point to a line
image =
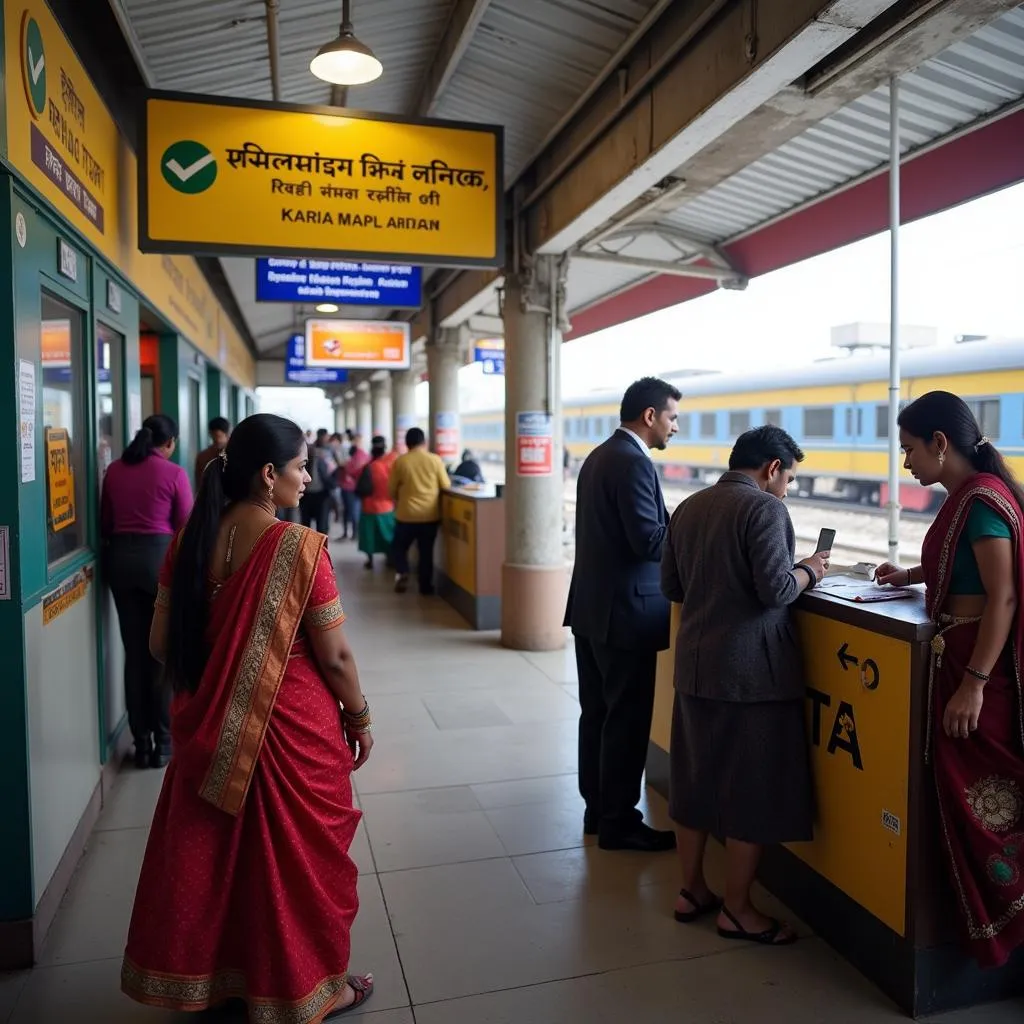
596	427
739	422
613	425
820	422
854	422
986	412
707	424
882	420
684	423
773	417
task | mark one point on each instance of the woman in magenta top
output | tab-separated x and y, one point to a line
146	500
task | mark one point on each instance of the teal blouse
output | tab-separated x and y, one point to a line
982	521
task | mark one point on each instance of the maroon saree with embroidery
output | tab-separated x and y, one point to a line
980	780
247	890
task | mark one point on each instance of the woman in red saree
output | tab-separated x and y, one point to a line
972	562
247	890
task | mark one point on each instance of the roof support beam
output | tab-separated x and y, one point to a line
723	276
701	69
465	18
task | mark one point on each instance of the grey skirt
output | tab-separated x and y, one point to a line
741	770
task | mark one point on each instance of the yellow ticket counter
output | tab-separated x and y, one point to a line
872	883
472	549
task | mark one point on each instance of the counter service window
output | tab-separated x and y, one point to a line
109	416
64	383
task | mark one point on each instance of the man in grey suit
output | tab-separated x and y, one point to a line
739	756
618	615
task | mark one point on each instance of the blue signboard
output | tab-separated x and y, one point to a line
296	371
491	355
349	284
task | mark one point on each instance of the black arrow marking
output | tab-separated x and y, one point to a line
869	674
845	659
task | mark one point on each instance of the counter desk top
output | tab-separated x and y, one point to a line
903	619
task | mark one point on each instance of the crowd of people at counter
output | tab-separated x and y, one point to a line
739	757
237	663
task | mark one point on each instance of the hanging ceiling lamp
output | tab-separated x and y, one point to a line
345	60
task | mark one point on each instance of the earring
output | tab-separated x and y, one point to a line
942	458
270	491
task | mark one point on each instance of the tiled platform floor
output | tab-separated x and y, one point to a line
481	901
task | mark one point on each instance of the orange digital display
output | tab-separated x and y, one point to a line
358	344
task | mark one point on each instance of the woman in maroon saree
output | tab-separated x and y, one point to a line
972	562
247	890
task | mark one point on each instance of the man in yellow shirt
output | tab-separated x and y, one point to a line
416	482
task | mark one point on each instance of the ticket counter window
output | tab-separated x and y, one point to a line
64	382
109	389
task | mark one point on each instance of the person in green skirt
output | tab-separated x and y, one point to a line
377	524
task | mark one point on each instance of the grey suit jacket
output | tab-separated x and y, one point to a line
728	560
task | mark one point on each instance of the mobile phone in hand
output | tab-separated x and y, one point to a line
825	541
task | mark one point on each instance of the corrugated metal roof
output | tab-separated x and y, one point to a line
220	46
530	60
971	79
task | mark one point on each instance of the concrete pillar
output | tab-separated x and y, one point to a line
403	403
350	412
534	577
364	414
339	415
380	393
444	359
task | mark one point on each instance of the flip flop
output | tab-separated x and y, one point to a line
363	989
699	909
765	938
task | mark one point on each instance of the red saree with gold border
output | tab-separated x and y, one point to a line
980	780
247	890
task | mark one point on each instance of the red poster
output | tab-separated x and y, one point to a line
534	456
447	442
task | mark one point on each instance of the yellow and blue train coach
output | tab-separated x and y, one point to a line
836	410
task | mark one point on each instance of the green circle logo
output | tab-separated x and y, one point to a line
34	62
189	167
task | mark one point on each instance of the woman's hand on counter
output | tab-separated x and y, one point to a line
889	574
960	718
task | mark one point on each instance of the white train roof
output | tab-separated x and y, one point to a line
968	357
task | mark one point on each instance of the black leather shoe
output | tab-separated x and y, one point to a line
159	760
641	837
143	752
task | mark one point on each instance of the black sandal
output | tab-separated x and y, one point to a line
363	989
765	938
699	909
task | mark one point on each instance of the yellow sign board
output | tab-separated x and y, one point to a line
59	134
358	344
858	715
223	176
60	478
459	525
63	141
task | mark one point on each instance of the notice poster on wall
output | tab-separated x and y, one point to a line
535	444
27	419
446	434
60	479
